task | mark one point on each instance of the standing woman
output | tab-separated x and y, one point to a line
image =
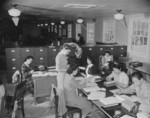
27	71
2	93
61	68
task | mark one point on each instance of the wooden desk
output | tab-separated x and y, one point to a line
42	84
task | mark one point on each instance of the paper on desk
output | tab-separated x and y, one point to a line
91	84
114	91
110	101
95	95
126	116
90	89
51	67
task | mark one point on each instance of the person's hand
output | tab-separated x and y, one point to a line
31	71
84	75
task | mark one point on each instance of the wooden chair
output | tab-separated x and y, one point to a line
16	92
2	107
70	110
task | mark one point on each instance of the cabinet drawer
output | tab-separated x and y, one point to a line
12	52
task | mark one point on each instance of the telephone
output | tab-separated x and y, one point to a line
135	64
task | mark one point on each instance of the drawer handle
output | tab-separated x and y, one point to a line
27	50
121	55
54	49
12	50
121	48
90	48
101	48
41	50
41	58
111	48
14	68
13	59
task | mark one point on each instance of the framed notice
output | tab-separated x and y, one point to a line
138	35
109	31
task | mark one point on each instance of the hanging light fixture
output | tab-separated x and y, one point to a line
52	23
15	20
119	15
62	22
14	12
79	20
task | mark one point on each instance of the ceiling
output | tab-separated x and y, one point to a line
52	9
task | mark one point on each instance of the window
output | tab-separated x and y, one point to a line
69	30
90	32
109	31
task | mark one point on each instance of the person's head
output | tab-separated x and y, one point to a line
137	78
28	60
73	69
107	53
65	49
116	68
89	60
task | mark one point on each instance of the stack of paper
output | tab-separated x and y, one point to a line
126	116
96	95
90	89
110	101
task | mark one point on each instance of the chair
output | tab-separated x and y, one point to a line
70	110
16	92
2	107
17	77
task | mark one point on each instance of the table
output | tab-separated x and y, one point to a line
108	111
42	83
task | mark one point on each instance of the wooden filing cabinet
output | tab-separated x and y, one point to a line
52	52
12	61
41	56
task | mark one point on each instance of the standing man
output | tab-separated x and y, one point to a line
80	41
61	67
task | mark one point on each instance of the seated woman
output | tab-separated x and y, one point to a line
71	84
90	69
121	79
104	61
27	71
142	89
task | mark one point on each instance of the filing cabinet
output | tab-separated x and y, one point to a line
52	52
41	56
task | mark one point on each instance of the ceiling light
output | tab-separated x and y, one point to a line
14	12
15	20
62	22
52	23
119	15
79	20
80	5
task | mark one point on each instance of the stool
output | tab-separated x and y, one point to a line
70	112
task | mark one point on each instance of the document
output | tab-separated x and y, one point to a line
109	84
91	89
126	116
96	95
110	101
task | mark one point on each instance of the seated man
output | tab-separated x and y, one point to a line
71	84
104	61
142	89
121	79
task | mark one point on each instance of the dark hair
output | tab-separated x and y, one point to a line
90	58
72	68
28	57
137	74
107	52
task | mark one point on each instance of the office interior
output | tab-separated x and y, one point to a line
38	29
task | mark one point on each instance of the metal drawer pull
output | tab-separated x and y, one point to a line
27	50
54	49
101	48
122	48
13	68
13	59
111	48
41	58
90	48
12	50
121	55
41	50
